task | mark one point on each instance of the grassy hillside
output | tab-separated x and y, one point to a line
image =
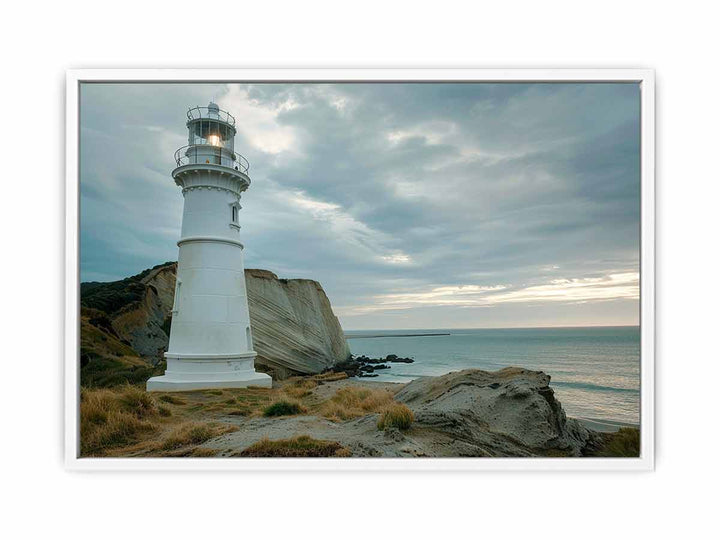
104	359
112	296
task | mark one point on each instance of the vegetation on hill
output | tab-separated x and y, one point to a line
623	443
110	297
105	360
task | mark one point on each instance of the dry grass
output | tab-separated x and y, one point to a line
111	418
299	388
301	446
137	401
169	398
331	376
351	402
193	433
128	421
396	415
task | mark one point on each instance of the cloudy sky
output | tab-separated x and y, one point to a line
414	205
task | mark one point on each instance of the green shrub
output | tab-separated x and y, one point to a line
283	408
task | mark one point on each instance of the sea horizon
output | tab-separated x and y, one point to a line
594	370
490	328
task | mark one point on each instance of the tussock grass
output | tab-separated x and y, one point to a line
283	408
396	415
111	418
352	402
167	398
193	433
301	446
331	376
164	411
137	401
300	388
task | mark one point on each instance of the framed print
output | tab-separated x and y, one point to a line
360	269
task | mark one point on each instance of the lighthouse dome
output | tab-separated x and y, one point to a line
213	108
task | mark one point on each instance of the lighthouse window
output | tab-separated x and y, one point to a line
234	214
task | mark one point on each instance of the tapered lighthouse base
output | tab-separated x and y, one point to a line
199	372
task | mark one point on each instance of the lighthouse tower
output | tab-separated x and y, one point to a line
210	336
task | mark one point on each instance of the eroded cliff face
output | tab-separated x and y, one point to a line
294	329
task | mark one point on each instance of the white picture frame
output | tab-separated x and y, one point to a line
644	77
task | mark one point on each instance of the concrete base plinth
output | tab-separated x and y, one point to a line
168	384
190	372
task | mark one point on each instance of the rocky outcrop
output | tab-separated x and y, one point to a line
293	326
511	412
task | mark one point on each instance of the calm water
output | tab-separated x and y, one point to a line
595	371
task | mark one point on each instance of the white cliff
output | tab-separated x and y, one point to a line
294	328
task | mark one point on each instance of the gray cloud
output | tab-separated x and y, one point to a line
387	192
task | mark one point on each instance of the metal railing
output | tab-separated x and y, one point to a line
207	154
197	113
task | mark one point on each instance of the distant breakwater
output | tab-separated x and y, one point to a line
351	336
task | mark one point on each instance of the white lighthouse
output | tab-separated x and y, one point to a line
210	336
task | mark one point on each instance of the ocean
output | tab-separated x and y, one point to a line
595	371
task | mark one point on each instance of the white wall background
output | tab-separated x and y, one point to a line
39	43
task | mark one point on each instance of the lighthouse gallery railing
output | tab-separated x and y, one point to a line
204	153
197	113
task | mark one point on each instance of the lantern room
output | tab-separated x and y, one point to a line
211	126
211	139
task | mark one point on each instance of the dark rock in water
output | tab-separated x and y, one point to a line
511	412
356	366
